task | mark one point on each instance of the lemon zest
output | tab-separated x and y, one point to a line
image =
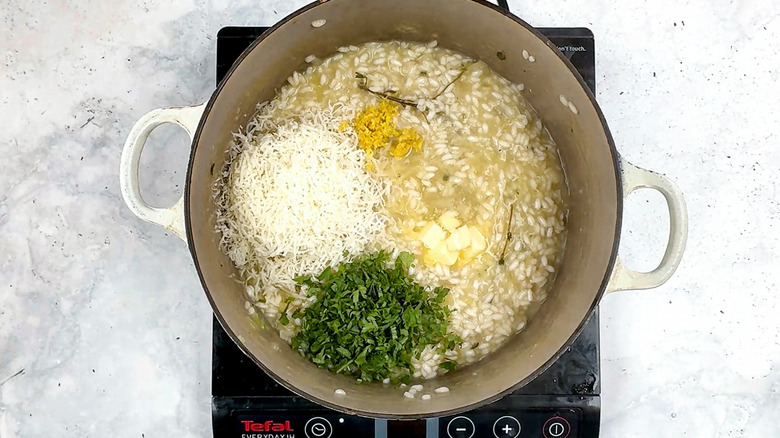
408	139
375	128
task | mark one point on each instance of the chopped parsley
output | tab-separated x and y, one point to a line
370	319
448	365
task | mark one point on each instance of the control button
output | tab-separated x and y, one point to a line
556	427
506	427
460	427
318	427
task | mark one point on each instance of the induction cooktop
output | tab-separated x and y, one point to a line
562	402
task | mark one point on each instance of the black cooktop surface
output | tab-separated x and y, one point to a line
562	402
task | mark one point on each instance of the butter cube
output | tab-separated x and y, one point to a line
459	239
449	221
478	242
467	255
432	234
440	254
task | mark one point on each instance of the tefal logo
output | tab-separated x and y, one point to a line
266	426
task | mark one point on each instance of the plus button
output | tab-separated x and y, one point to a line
506	427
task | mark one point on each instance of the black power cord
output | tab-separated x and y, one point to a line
503	4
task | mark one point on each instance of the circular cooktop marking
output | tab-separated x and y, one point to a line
460	427
506	427
318	427
556	427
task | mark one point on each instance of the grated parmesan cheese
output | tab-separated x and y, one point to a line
296	199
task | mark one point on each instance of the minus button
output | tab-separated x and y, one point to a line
460	427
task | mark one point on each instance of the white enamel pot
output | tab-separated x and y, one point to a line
598	177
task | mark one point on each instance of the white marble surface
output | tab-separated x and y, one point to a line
106	317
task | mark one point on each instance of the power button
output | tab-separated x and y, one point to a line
556	427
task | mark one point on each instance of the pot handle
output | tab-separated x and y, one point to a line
623	278
171	218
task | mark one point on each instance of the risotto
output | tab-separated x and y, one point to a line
404	164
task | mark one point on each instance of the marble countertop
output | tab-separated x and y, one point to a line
104	312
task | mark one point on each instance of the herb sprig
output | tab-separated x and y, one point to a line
501	260
370	319
413	103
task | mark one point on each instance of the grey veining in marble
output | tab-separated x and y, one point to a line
105	315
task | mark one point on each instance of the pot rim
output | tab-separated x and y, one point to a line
223	322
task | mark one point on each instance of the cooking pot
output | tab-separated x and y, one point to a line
598	178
